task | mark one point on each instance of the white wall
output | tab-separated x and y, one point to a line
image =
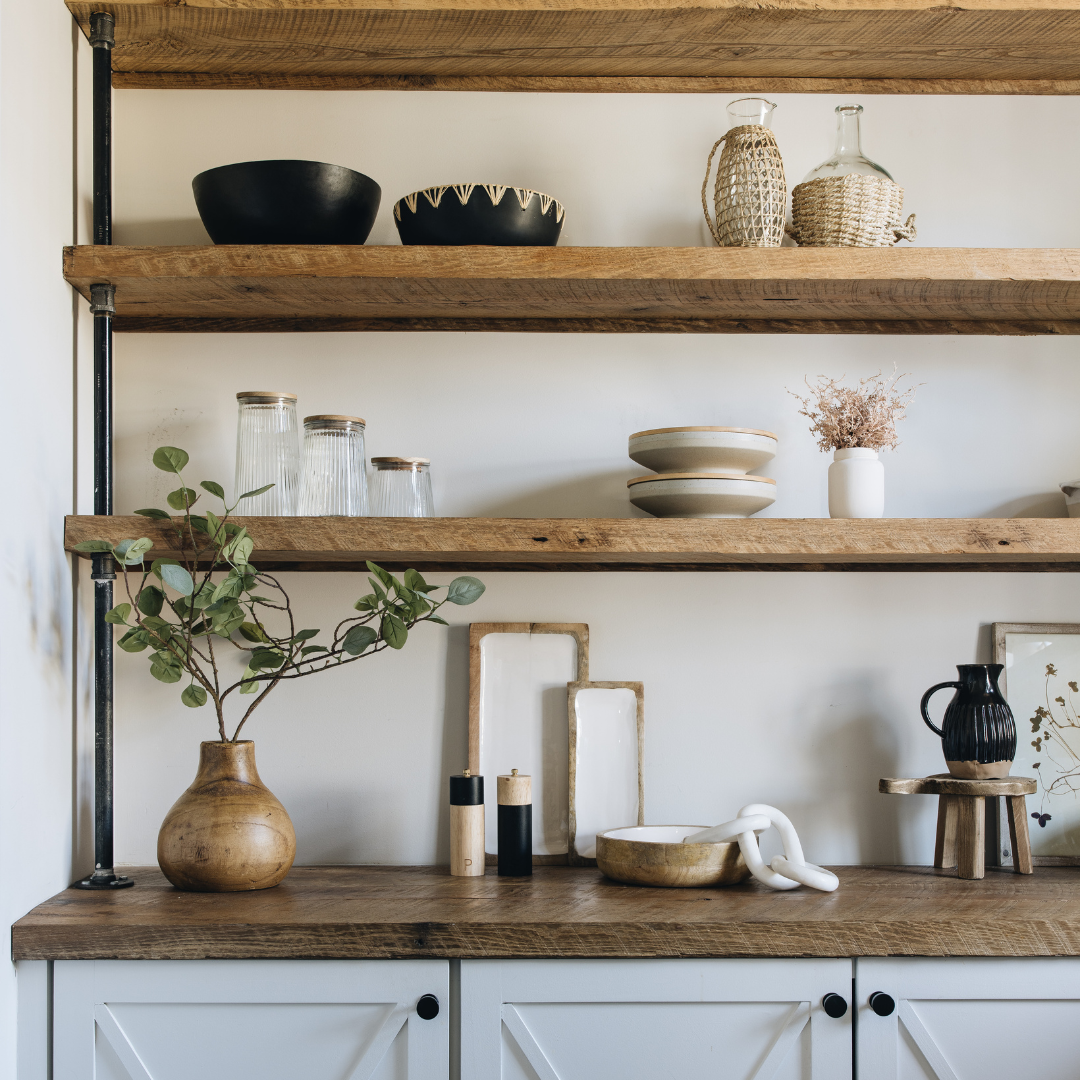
798	689
37	645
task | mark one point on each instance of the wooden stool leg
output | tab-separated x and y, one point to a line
1018	834
945	848
971	836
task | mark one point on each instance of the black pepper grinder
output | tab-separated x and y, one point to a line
515	825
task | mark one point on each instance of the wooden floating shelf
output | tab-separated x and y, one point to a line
456	544
695	46
587	289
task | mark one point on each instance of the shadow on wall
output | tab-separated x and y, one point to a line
846	761
1049	504
598	495
161	233
455	735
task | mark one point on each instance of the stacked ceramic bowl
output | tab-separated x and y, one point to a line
702	472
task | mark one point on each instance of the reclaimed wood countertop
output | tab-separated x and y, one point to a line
361	912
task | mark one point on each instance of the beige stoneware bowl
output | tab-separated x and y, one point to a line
703	449
701	495
655	855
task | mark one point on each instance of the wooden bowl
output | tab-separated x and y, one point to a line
655	855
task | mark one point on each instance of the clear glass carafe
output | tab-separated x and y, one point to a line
267	452
401	487
847	159
750	110
334	475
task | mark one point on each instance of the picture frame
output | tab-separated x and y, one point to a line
606	763
517	719
1047	733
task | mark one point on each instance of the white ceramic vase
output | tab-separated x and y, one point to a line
856	484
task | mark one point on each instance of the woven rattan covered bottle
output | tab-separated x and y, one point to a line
849	200
750	192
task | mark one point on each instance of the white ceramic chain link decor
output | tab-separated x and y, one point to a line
787	871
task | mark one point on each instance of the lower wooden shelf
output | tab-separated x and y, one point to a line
458	544
586	289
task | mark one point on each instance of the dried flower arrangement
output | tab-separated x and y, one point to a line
843	417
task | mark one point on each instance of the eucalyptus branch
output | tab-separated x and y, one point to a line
211	592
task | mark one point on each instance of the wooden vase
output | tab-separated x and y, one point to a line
227	832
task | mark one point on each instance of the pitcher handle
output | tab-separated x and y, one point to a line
925	701
705	194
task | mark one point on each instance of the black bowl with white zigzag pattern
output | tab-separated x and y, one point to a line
467	214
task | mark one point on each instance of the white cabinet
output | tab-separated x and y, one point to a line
653	1019
970	1019
234	1019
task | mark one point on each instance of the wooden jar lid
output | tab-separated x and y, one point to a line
266	395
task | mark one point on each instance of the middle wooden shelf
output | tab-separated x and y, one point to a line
586	289
456	544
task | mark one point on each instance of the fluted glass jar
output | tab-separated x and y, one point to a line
267	452
334	477
401	487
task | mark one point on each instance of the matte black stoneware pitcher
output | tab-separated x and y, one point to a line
978	734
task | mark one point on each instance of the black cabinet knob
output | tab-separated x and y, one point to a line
834	1005
427	1008
881	1003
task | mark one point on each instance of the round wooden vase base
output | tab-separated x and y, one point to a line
227	832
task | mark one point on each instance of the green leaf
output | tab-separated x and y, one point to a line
94	545
252	631
393	631
380	592
226	624
159	514
198	523
239	550
213	488
265	660
170	458
203	596
157	564
134	640
181	498
153	622
248	683
415	582
130	552
305	635
176	577
438	619
150	600
358	639
213	527
313	648
119	615
465	590
367	603
194	696
257	491
230	588
381	574
163	672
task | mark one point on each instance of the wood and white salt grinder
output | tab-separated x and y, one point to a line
467	825
515	825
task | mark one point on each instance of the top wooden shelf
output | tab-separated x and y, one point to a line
380	912
694	46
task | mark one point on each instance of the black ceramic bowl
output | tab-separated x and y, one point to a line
479	214
286	202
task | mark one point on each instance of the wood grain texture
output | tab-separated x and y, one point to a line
971	837
390	912
452	544
943	784
524	84
945	839
786	39
1028	286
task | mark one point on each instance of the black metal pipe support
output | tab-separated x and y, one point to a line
103	574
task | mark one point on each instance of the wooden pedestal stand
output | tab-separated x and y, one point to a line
961	823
